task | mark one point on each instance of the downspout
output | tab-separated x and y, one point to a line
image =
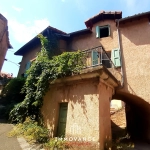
121	58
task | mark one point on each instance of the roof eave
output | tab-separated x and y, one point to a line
136	16
103	16
21	51
84	31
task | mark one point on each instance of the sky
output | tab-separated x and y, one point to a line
27	18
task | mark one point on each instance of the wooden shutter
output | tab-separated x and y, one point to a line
27	67
116	57
95	57
97	32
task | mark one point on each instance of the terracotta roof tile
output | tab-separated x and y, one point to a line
102	16
35	41
144	14
57	30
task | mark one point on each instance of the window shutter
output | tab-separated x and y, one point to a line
97	32
116	57
94	58
27	67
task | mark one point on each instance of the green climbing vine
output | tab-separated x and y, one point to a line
45	69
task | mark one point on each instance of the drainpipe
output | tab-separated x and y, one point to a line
119	43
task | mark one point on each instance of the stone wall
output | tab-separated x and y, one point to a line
3	39
118	122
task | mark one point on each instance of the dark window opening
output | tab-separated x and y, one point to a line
104	32
106	60
22	75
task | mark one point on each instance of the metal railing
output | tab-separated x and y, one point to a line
98	56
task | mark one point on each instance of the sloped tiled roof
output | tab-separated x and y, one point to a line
134	17
36	41
103	15
79	32
57	30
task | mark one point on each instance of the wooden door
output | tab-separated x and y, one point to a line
62	119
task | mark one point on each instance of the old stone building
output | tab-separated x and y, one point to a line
4	39
117	68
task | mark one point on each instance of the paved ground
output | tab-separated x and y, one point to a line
13	143
139	145
7	143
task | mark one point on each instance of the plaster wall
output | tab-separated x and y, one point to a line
89	41
135	37
32	54
105	95
62	45
27	57
88	108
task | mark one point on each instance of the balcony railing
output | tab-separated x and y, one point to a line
98	56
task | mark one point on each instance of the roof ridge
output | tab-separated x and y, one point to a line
134	16
56	29
102	15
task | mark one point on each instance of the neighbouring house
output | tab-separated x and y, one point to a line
117	68
4	39
4	76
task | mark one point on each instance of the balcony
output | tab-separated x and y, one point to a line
99	57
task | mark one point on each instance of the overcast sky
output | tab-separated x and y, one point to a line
27	18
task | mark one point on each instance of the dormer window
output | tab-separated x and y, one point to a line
102	31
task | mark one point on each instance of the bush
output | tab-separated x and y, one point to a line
57	143
122	143
11	93
31	131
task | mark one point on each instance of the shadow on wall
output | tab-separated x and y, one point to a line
137	115
137	31
117	131
78	95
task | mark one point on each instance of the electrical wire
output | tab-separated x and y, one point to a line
11	50
12	62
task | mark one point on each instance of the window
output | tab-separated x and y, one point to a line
101	59
102	31
106	59
95	58
28	64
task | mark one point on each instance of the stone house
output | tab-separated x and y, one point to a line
4	76
4	39
117	68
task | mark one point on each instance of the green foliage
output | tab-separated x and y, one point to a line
11	95
122	143
44	69
57	143
31	131
4	79
123	146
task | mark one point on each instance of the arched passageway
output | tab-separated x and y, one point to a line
137	115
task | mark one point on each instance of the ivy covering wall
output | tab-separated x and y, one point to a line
43	71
